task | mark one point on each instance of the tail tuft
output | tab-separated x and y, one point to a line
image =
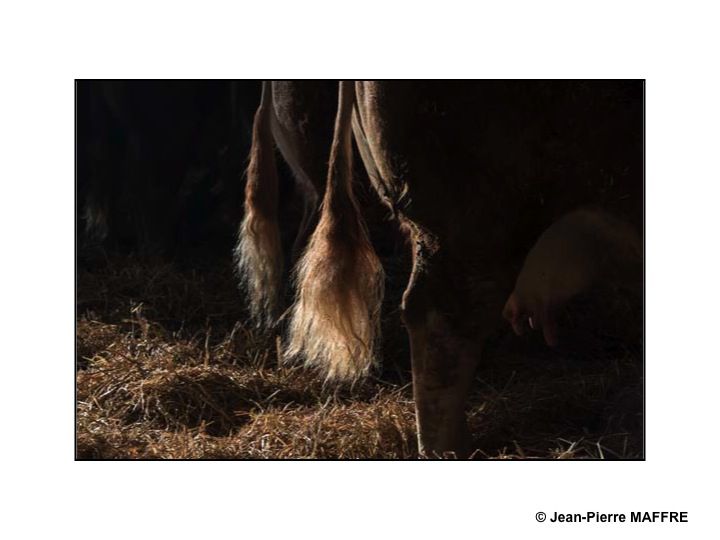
340	282
258	254
335	322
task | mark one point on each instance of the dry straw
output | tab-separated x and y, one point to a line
168	369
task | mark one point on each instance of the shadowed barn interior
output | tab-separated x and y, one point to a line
505	217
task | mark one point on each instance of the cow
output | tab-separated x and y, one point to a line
472	172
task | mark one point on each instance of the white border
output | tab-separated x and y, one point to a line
46	46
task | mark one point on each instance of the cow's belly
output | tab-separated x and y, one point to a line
493	163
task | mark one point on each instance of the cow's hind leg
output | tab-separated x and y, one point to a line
443	361
290	144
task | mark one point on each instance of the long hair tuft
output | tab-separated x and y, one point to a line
335	320
258	253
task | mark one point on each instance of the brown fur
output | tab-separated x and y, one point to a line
335	319
579	251
444	157
258	254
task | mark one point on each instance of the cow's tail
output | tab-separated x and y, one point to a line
258	254
340	281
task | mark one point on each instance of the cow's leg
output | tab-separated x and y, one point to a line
308	221
443	362
288	142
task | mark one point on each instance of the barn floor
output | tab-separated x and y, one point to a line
166	368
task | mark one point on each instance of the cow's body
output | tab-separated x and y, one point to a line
473	171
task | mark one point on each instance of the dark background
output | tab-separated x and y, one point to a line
160	163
